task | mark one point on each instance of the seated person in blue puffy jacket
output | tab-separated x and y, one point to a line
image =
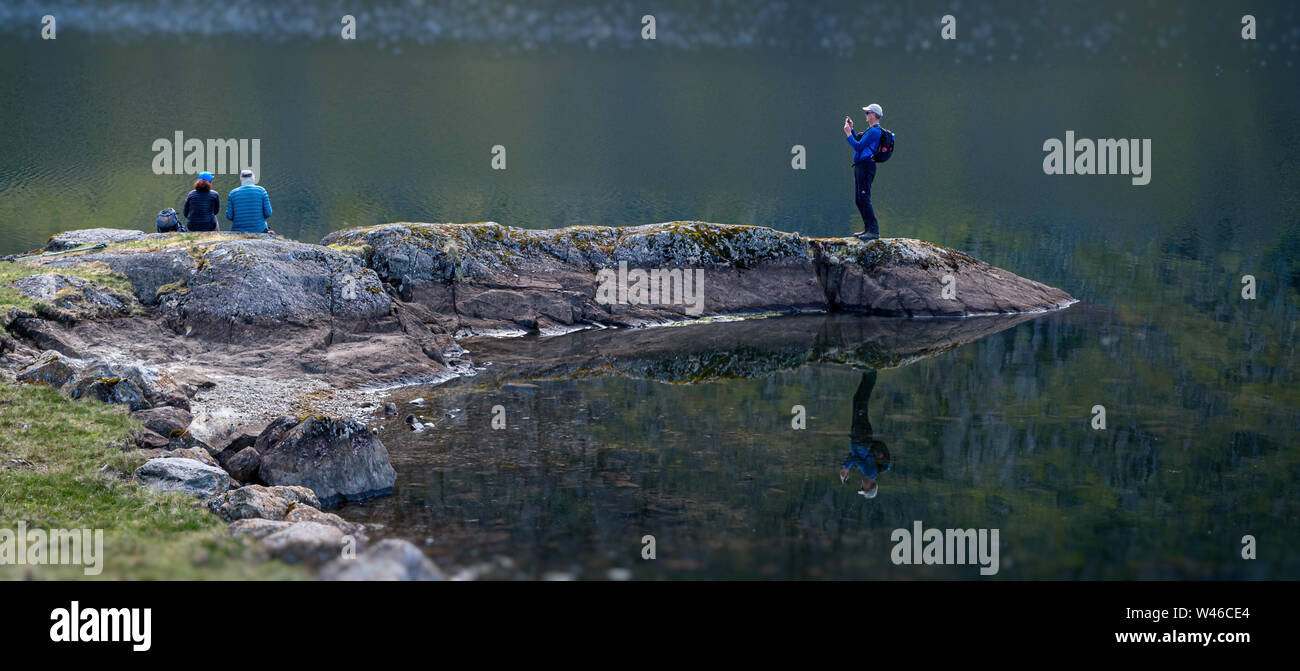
248	206
867	455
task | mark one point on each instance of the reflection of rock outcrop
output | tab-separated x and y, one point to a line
740	349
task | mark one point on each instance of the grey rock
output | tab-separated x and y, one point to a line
900	277
150	271
110	390
256	527
185	440
245	436
197	454
336	459
389	559
488	277
247	288
302	512
309	542
70	299
183	475
90	236
244	465
51	368
136	385
153	271
150	440
257	501
164	420
274	431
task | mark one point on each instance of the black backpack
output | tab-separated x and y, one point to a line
169	222
886	146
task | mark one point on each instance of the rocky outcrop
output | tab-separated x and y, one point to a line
380	305
293	542
485	278
912	278
235	302
336	459
244	288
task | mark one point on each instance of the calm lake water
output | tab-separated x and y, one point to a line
601	127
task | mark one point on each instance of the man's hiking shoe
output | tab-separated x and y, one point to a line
866	236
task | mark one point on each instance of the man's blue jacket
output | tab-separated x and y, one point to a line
865	146
247	209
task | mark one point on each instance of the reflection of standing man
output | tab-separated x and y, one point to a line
867	455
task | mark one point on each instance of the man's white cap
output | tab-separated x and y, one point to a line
871	493
874	109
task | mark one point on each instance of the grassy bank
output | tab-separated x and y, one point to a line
53	451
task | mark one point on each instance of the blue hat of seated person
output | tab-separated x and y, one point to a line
206	176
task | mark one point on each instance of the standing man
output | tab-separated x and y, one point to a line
248	206
864	167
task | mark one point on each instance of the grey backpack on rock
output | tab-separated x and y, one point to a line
170	222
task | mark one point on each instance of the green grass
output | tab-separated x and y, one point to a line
51	451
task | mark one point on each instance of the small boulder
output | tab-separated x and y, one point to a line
141	386
256	501
305	513
51	368
245	436
389	559
255	527
183	475
243	465
217	426
337	459
198	454
274	432
150	440
310	542
181	439
110	390
164	420
238	440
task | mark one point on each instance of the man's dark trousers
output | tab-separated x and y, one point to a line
864	174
